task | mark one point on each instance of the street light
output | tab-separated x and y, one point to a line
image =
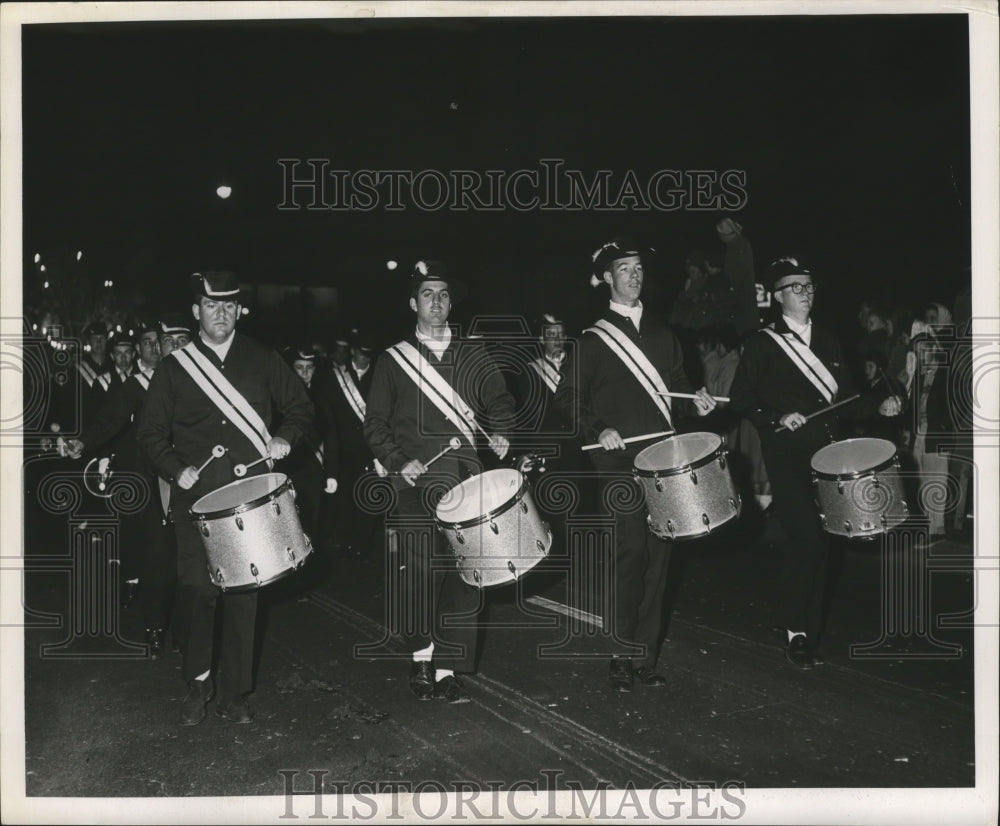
224	191
391	265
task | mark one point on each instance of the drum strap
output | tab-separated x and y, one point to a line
635	360
807	362
105	381
223	395
351	392
432	384
88	373
549	374
143	380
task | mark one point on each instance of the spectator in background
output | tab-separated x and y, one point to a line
739	271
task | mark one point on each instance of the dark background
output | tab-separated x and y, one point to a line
853	132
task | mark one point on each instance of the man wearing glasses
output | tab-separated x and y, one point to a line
789	370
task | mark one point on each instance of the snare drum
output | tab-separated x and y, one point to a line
688	487
251	532
493	527
859	490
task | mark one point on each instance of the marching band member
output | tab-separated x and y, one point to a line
788	370
224	389
611	385
423	394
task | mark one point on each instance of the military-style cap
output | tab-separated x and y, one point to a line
614	249
219	286
784	267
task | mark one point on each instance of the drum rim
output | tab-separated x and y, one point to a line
676	471
246	506
489	515
854	474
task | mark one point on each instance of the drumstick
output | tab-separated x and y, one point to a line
823	411
454	444
691	396
217	452
241	470
633	439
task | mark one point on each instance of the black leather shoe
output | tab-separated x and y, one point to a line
130	590
422	679
235	710
451	690
154	639
647	676
194	702
621	674
797	652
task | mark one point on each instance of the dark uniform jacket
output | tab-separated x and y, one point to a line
319	433
604	393
767	385
113	429
180	425
349	428
402	423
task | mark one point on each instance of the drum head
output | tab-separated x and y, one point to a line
678	451
479	495
240	492
852	456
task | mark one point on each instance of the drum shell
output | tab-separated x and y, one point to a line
252	545
861	504
690	501
501	545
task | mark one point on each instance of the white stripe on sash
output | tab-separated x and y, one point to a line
352	393
105	381
88	373
432	384
143	380
549	374
223	395
807	362
318	453
635	360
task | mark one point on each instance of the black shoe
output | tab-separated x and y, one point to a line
422	679
451	690
647	676
197	697
154	639
621	674
235	710
797	652
130	590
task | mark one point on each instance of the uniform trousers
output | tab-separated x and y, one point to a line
807	549
641	560
158	571
197	598
436	605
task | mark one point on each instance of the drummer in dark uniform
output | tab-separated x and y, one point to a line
611	387
221	389
789	370
424	393
95	368
146	544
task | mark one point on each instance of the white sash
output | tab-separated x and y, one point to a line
318	453
223	395
88	372
807	362
143	380
549	374
635	360
432	384
352	393
105	381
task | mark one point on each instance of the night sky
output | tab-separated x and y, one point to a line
853	133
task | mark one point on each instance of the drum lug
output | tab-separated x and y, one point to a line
461	558
847	527
840	488
732	502
670	527
277	507
203	525
511	568
255	572
884	522
239	522
494	528
309	542
459	537
705	519
906	508
822	519
524	506
658	483
218	576
875	482
475	576
290	552
722	461
694	477
540	545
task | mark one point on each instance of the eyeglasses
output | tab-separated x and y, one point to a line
798	288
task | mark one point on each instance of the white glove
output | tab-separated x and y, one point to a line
331	486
